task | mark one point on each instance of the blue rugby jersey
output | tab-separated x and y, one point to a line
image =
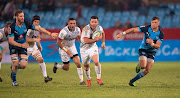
148	33
19	33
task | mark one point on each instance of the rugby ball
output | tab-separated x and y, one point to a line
95	34
1	35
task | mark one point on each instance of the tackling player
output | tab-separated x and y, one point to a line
153	37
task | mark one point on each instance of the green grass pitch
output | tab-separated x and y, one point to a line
162	81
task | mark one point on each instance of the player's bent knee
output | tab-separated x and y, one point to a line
40	59
150	60
146	71
38	56
96	63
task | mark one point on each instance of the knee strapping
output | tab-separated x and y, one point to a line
24	59
14	58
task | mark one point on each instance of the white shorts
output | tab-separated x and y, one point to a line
32	50
87	54
64	56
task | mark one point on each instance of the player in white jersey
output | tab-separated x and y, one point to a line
3	37
33	37
89	49
67	50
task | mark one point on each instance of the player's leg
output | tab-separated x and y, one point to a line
142	60
14	67
95	59
94	55
150	61
142	64
76	60
65	59
38	56
86	62
23	61
0	60
0	63
1	53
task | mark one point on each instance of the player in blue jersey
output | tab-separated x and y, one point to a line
17	42
3	37
153	37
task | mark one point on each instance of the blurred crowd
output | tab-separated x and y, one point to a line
8	7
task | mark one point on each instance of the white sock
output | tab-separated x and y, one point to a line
60	66
43	69
0	65
80	74
98	71
87	73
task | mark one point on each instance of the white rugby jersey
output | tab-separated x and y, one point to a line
4	35
32	34
69	37
87	32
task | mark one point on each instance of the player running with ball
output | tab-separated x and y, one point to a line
89	49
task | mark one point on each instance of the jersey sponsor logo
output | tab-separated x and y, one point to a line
142	26
21	36
157	37
148	34
16	32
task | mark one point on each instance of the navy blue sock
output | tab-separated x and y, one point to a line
14	76
138	76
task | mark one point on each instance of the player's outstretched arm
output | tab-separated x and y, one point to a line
120	35
63	48
53	35
14	43
103	41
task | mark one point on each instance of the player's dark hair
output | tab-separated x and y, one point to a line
18	12
35	17
94	17
71	19
8	23
155	18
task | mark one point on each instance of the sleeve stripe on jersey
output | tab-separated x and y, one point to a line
85	37
139	29
60	38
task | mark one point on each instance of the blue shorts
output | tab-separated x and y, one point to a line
148	54
17	50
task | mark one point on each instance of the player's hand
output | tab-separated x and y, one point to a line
119	36
149	41
69	53
103	45
98	38
40	48
25	45
54	35
38	40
